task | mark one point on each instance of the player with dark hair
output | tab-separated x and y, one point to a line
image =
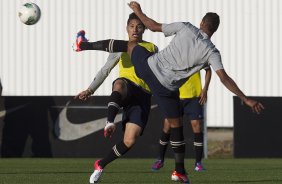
192	98
128	91
189	51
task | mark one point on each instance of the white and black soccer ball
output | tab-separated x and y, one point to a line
29	13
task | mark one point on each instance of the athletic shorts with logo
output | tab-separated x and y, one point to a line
192	108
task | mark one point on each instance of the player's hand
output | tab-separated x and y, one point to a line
135	6
84	95
203	97
256	107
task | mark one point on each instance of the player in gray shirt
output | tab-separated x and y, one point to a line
190	50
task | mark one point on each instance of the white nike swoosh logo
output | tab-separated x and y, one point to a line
3	113
67	131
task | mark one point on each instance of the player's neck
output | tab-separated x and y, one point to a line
207	32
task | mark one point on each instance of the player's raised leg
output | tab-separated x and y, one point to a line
109	45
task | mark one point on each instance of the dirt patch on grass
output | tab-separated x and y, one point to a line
220	143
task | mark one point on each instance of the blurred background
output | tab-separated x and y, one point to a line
38	60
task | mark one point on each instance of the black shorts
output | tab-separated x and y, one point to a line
168	101
136	105
192	108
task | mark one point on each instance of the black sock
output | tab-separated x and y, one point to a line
106	45
114	105
198	144
163	144
178	146
117	151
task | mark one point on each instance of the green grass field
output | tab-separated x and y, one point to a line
77	171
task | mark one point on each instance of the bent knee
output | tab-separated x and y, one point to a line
196	126
120	86
129	142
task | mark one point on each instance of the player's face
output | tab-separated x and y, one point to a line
135	30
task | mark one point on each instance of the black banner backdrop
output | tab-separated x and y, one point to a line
258	135
59	126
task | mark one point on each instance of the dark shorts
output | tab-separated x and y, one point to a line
168	101
136	105
192	108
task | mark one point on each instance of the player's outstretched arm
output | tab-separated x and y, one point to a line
100	77
148	22
232	86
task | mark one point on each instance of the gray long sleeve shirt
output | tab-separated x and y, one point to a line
102	74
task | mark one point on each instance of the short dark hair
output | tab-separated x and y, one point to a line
211	21
133	16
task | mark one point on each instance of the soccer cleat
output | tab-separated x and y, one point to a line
157	165
80	37
96	175
199	166
183	178
109	129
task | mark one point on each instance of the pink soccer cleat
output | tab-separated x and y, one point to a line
96	175
80	37
157	165
183	178
199	167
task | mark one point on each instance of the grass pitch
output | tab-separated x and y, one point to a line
123	171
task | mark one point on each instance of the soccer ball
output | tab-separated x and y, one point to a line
29	13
